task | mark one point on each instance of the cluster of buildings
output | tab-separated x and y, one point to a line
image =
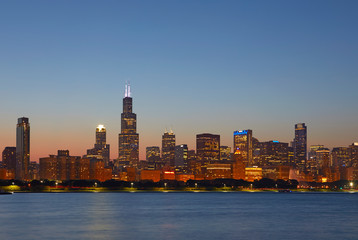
249	159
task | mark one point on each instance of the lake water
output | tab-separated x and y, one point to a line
179	216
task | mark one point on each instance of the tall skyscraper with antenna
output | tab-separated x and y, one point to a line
128	147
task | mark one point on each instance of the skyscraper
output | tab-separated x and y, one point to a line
274	153
22	149
168	148
243	141
238	167
225	153
152	154
128	147
181	155
208	147
300	145
9	158
101	149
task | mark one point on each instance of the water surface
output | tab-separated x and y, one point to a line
178	216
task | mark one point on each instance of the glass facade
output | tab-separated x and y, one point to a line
243	141
128	147
22	149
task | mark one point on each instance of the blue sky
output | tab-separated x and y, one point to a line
194	66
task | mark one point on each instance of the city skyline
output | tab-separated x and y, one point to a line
220	69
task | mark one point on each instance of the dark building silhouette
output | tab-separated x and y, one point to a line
9	158
207	147
22	149
300	145
243	141
168	148
128	147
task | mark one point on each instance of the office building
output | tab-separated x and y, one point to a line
9	158
128	147
225	153
22	149
238	167
353	153
300	145
274	153
168	148
101	150
152	154
340	157
243	141
207	147
181	156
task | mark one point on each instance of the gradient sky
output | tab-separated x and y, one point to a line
194	66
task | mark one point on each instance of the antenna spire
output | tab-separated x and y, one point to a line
127	90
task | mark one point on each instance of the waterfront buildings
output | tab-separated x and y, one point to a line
65	167
22	149
243	141
128	147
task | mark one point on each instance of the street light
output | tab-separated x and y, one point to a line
351	184
132	185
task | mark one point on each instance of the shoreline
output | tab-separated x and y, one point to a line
102	190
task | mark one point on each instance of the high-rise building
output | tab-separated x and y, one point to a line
340	157
128	147
312	163
152	154
9	158
207	147
225	153
168	148
238	166
101	149
300	145
243	141
323	158
22	149
181	156
353	153
274	153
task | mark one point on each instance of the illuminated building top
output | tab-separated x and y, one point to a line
127	91
243	132
100	127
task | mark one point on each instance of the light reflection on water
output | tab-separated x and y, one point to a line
177	216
